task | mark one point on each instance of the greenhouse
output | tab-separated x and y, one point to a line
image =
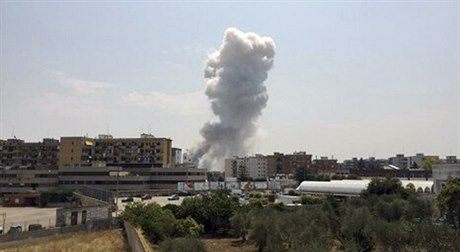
354	187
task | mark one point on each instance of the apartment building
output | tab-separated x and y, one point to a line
296	160
254	167
324	164
26	166
145	151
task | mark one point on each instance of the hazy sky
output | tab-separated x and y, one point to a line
352	78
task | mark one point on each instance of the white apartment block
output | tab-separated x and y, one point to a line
255	167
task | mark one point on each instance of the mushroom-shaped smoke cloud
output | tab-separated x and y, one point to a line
234	77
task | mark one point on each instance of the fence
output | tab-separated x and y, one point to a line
44	222
88	227
97	193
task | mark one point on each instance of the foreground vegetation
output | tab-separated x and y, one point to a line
387	217
109	240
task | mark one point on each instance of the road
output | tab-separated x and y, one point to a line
161	200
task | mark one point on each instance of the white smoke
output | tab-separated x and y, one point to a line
234	77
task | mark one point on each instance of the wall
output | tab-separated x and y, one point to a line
88	227
63	215
134	240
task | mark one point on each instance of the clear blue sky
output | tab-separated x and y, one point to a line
351	78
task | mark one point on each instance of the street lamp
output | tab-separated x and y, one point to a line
118	173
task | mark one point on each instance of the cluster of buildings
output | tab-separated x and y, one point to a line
105	162
398	162
260	167
151	163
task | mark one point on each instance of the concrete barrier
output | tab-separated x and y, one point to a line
134	240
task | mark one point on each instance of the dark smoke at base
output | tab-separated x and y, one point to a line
234	77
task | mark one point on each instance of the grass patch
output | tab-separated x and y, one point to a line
106	241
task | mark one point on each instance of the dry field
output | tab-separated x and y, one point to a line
104	241
228	245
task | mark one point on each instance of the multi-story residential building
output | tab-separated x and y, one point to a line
235	167
442	173
399	161
243	168
257	166
26	166
176	156
148	162
364	164
144	151
275	164
297	160
452	160
415	162
324	164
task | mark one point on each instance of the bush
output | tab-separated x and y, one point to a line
187	227
56	196
292	193
308	199
157	223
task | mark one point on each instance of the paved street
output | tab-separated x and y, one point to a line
161	200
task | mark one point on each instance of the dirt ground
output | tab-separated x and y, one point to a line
28	215
228	245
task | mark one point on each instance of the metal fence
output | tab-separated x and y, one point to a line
97	193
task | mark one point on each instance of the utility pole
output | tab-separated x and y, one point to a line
118	192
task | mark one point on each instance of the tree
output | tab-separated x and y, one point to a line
448	202
379	186
265	230
300	174
187	227
213	212
157	223
241	222
356	229
428	162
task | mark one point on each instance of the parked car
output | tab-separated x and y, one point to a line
15	229
129	199
184	193
146	197
33	227
173	197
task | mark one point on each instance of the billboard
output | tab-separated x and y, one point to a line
201	186
261	185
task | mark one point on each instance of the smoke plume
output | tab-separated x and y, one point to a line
234	77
